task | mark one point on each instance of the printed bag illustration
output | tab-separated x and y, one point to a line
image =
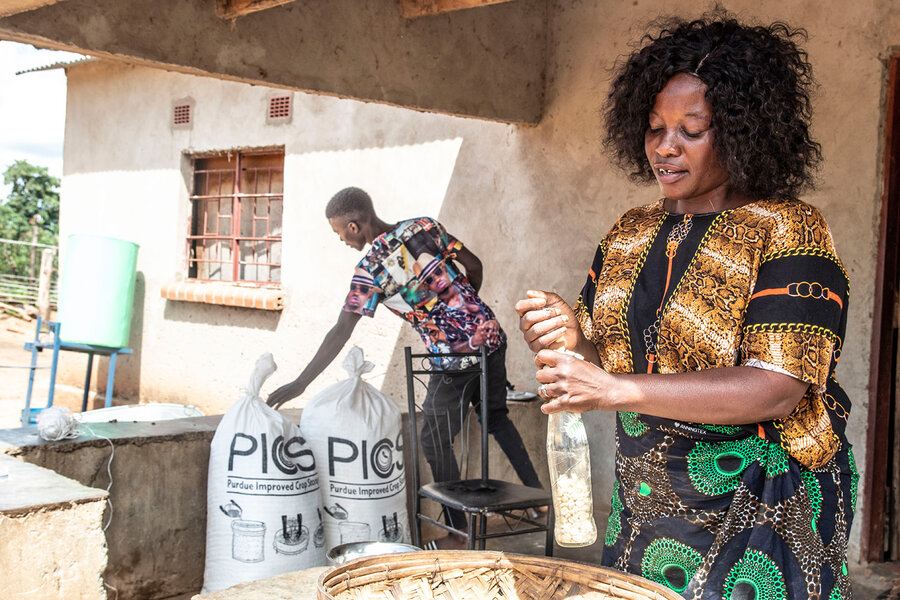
356	435
263	513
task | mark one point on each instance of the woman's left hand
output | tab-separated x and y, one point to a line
571	384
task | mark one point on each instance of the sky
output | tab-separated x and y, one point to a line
32	108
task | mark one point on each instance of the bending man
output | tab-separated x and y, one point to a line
411	268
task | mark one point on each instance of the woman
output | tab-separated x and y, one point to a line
712	322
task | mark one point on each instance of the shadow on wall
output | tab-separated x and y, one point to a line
470	211
217	316
459	171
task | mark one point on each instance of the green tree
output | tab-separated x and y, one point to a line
33	200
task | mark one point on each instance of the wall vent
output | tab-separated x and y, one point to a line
279	108
181	114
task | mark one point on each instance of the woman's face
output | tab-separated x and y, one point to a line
679	146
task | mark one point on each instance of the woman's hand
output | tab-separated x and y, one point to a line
571	384
547	322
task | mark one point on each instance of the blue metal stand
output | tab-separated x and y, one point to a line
46	337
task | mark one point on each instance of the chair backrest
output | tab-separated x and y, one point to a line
420	364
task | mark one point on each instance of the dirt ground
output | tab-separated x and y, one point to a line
14	363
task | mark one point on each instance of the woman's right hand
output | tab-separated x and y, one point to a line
547	322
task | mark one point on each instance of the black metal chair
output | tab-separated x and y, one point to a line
477	498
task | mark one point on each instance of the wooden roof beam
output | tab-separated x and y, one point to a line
232	9
488	63
12	7
421	8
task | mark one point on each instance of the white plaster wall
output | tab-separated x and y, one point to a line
126	176
532	202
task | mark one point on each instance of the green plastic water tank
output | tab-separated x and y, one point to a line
96	290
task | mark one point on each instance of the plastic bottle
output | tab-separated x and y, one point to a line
569	458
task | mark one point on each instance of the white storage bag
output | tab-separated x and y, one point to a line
355	432
263	512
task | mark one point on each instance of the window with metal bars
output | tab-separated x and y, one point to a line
235	228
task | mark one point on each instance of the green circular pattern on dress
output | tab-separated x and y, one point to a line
777	462
670	563
715	468
835	593
811	482
755	577
726	429
854	479
614	525
632	424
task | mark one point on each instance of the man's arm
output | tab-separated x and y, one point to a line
472	265
334	341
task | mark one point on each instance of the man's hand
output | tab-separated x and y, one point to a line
287	392
487	332
334	340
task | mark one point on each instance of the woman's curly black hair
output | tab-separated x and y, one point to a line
758	85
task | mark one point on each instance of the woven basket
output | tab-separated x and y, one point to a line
469	575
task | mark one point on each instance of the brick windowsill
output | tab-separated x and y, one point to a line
224	294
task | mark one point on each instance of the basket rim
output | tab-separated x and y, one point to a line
367	566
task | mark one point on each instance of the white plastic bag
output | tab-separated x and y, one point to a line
355	433
263	513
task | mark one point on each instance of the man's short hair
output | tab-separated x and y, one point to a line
350	202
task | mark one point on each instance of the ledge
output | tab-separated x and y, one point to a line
27	489
224	294
23	441
299	585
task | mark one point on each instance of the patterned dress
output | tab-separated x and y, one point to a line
713	511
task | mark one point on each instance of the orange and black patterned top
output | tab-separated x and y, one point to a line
761	285
705	507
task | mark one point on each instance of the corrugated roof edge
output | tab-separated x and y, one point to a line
59	65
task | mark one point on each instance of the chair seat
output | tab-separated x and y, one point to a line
485	495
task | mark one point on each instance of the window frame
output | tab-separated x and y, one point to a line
233	239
